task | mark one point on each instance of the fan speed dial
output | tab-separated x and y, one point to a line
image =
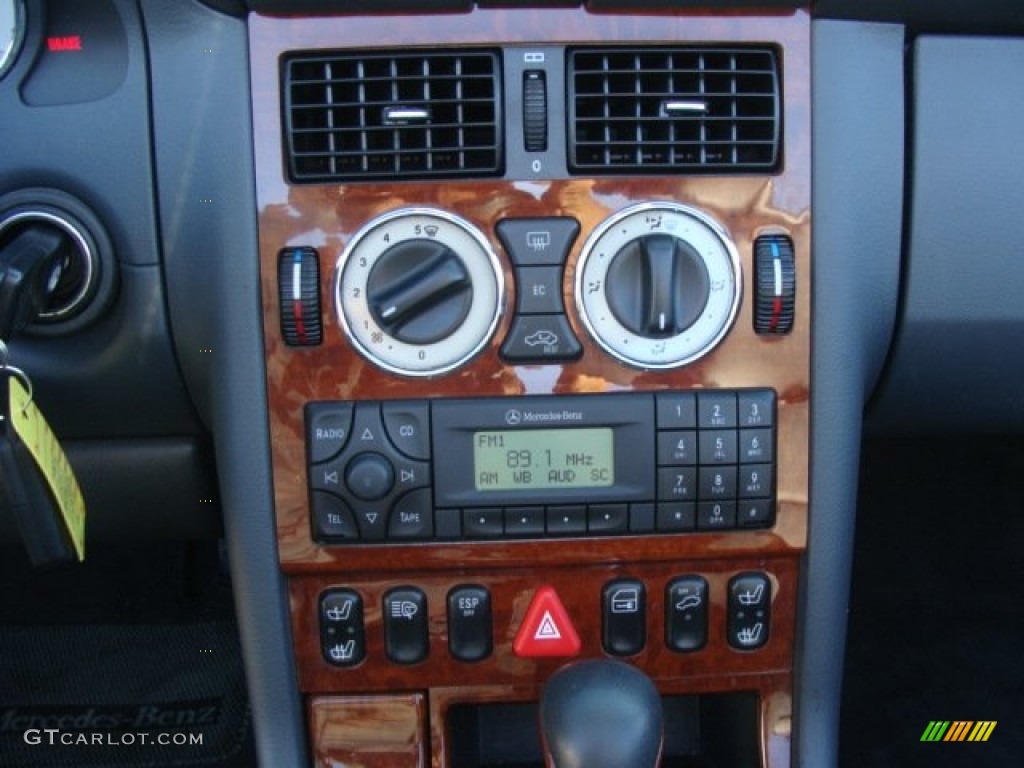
419	291
658	285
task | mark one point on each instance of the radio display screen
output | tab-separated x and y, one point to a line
542	459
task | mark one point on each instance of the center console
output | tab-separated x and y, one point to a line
536	295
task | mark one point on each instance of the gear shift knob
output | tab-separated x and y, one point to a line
601	714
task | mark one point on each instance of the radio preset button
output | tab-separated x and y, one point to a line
716	410
717	483
370	476
566	521
756	446
408	427
677	484
524	521
716	515
676	410
718	446
757	408
677	448
755	481
482	523
605	519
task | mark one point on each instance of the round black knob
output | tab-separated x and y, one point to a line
419	291
657	286
370	476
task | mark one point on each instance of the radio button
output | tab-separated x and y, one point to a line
332	518
718	446
677	484
603	519
755	446
370	476
566	521
717	483
676	411
677	447
408	426
716	515
641	518
327	429
482	523
757	408
412	517
524	521
716	410
677	517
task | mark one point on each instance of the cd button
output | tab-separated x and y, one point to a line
407	425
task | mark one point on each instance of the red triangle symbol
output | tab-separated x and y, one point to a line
547	629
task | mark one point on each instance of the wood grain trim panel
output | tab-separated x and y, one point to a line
369	731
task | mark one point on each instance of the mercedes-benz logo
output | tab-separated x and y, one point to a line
513	417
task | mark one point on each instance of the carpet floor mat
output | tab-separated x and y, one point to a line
123	695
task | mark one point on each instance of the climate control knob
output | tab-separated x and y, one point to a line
658	285
419	291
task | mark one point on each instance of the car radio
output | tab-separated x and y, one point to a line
579	465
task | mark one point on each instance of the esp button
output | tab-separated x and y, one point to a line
469	623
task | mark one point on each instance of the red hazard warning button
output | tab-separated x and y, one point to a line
547	629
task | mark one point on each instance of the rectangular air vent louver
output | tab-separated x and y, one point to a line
416	114
652	110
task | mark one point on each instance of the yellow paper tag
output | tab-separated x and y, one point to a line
37	436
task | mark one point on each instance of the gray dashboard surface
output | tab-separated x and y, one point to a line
956	362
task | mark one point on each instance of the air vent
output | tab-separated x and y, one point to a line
351	117
652	110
